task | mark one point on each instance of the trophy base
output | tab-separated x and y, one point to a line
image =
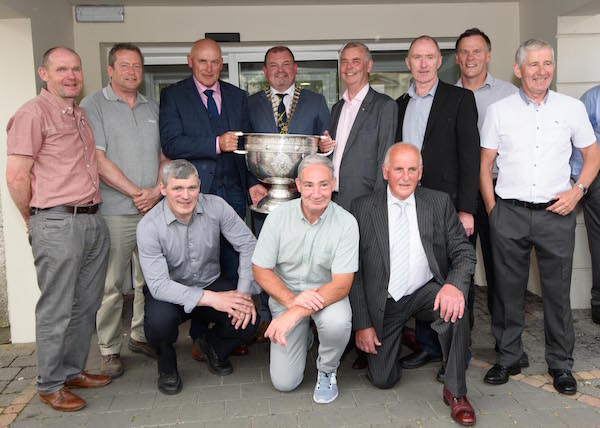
278	194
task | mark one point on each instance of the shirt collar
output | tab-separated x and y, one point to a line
489	81
528	100
110	95
57	102
289	91
391	199
301	214
170	217
201	88
412	92
359	97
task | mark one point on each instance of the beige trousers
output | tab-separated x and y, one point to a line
123	250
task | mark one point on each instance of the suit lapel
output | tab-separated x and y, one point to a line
379	215
361	117
195	100
402	104
297	117
266	109
438	101
426	231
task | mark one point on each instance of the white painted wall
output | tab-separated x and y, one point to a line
18	86
182	25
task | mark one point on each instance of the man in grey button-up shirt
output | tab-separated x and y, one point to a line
178	242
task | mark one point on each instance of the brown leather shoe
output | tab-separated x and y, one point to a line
141	348
111	365
239	351
63	400
460	408
87	380
259	336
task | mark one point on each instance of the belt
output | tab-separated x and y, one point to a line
529	205
90	209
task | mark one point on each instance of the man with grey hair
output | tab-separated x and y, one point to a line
125	126
529	134
305	260
178	243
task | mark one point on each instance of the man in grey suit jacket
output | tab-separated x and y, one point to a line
414	260
363	126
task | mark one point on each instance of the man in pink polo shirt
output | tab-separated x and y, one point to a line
53	180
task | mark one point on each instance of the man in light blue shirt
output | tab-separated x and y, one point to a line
591	200
305	260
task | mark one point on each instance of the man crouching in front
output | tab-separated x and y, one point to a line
305	260
415	260
178	244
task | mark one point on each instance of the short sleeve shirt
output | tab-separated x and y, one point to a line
534	144
59	138
130	139
305	255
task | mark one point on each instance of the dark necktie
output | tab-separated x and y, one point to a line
211	105
281	114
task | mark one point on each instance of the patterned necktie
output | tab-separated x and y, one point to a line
400	254
211	105
281	113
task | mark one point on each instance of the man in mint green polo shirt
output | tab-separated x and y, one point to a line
305	260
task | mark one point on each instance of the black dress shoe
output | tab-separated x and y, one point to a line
360	362
169	383
498	374
216	365
564	382
441	375
524	360
418	359
596	314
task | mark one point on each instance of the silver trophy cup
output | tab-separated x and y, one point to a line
274	159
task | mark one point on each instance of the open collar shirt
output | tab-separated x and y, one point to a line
180	260
417	115
533	144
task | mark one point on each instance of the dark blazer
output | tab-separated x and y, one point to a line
372	134
186	131
451	145
311	116
450	255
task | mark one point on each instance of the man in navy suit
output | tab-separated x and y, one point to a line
283	108
199	118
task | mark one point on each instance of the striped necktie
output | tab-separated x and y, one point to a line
399	254
281	113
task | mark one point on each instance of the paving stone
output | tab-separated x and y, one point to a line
6	399
97	404
155	417
9	373
322	418
367	397
496	420
233	423
425	392
579	418
186	396
377	414
113	419
75	420
538	400
37	410
241	408
245	375
291	403
496	404
24	361
410	409
276	421
259	390
34	423
5	360
202	412
438	423
16	385
219	393
23	349
133	402
537	419
28	373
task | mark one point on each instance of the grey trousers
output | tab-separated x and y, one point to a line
514	231
70	254
591	213
334	325
123	250
384	368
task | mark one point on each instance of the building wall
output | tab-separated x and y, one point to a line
182	25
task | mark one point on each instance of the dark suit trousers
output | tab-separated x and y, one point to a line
514	231
591	213
162	320
384	368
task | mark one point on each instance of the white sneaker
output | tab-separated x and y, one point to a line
326	389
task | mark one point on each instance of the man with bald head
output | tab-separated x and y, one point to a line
199	118
414	260
53	180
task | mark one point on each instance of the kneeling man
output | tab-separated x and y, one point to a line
415	260
305	260
178	243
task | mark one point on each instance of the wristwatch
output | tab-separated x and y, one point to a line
582	187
